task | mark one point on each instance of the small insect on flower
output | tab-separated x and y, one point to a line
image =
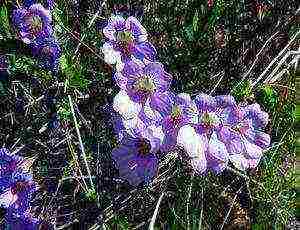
128	38
32	22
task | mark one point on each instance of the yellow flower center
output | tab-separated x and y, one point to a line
124	37
176	112
35	23
209	119
145	85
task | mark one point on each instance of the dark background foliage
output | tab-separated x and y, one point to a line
207	49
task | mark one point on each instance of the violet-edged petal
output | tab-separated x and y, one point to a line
252	151
259	118
169	142
125	106
231	139
115	23
205	103
149	115
163	102
259	138
231	115
136	28
133	68
162	79
188	108
144	50
223	101
134	166
216	154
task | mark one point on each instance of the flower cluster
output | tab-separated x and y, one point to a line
153	120
16	189
33	24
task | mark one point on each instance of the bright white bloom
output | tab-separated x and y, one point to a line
112	57
194	145
126	107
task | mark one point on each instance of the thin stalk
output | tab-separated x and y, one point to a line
80	141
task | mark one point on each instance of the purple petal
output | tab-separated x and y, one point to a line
144	50
223	101
259	118
147	168
252	151
205	103
135	27
216	155
232	115
162	79
115	23
169	142
163	102
259	138
232	140
149	115
131	166
133	68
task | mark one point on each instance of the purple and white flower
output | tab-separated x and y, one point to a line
128	38
207	121
176	111
143	82
16	185
243	135
32	22
136	156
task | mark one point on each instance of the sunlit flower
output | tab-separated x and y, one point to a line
129	38
111	56
127	108
176	111
32	22
16	183
243	135
205	128
143	82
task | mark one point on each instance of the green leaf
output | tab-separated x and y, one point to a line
4	25
195	21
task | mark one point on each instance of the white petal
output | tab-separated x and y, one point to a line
7	199
126	107
185	96
111	56
239	161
